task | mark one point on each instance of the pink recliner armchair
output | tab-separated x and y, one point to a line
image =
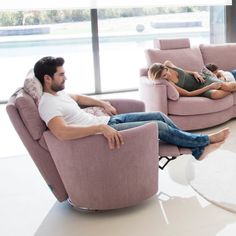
85	170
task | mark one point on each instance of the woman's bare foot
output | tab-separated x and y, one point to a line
210	148
219	136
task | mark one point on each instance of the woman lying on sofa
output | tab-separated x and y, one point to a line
189	83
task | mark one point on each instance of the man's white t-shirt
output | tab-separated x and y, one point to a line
63	105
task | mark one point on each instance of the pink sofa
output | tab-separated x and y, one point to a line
189	113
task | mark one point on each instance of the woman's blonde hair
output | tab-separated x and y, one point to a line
155	70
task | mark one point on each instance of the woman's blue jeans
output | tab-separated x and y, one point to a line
167	130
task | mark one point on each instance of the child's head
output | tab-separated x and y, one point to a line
212	67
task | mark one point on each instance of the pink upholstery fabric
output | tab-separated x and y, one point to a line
234	98
127	105
198	122
40	156
100	178
172	93
199	105
153	95
165	44
187	58
166	149
29	114
136	164
143	71
224	55
42	143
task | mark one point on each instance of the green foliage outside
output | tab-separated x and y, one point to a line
62	16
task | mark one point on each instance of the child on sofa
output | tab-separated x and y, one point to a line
220	74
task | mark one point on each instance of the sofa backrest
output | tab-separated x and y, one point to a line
24	116
178	51
223	55
167	44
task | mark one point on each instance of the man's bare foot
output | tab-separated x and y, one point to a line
219	136
210	148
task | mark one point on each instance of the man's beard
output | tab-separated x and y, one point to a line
57	88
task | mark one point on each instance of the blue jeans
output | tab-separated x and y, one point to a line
168	131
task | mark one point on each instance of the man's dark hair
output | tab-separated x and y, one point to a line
212	67
47	66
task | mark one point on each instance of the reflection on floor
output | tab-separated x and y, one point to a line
28	207
214	178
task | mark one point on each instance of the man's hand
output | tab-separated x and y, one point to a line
114	138
109	108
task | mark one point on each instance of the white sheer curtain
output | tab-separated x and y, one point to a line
89	4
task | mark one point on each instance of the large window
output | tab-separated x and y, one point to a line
44	33
120	36
124	37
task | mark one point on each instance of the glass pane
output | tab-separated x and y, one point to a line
126	33
28	36
120	63
217	24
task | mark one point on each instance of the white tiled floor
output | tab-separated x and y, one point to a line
27	207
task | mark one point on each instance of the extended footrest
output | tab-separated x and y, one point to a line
168	159
170	152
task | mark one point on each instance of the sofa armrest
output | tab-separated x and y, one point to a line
155	94
127	105
100	178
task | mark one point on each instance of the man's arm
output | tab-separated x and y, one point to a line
89	101
86	100
63	131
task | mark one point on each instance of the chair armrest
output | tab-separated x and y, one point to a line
127	105
100	178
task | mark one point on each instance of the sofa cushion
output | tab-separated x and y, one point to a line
186	58
33	87
199	105
165	44
29	114
96	111
214	53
